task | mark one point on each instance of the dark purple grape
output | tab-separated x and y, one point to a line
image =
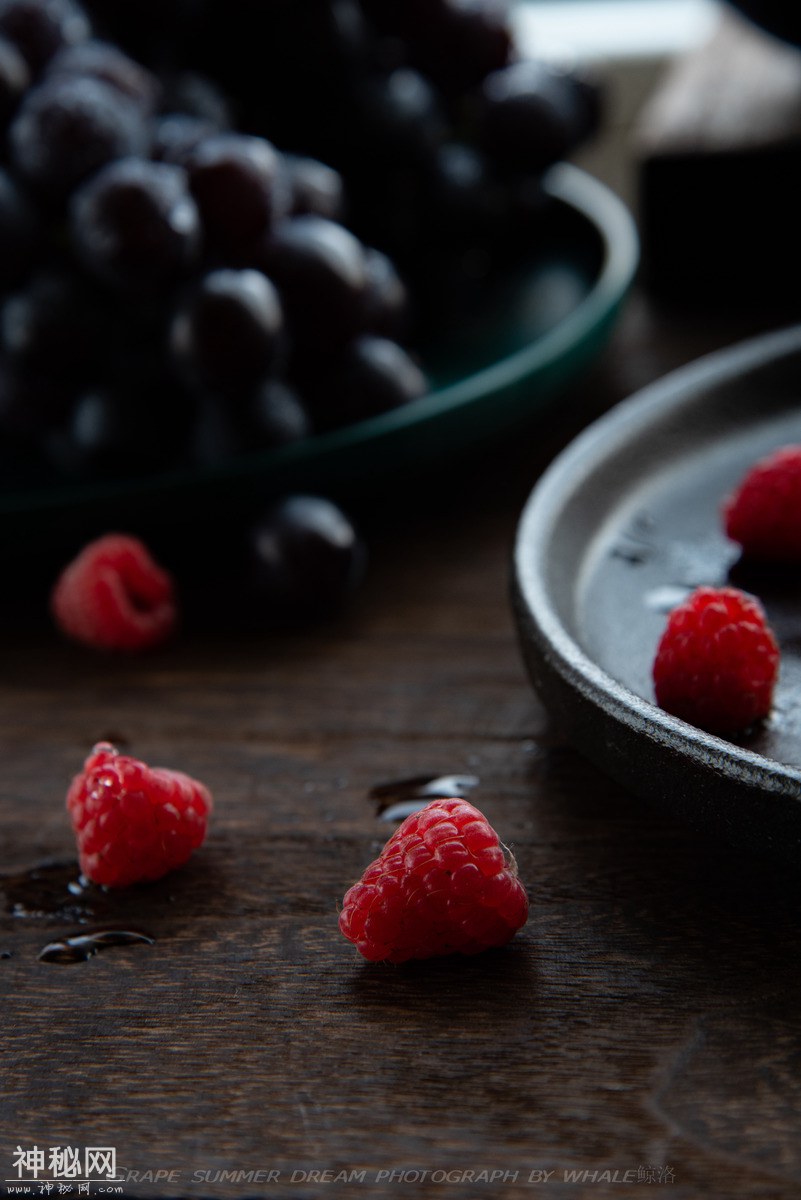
320	271
68	128
276	416
42	27
228	335
401	119
530	116
14	80
240	185
306	557
106	62
373	375
386	297
474	40
176	136
316	188
466	198
20	233
55	325
135	224
197	96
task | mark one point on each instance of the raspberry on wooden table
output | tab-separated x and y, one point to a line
763	514
113	596
717	661
442	885
134	823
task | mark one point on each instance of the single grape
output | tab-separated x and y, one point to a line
66	129
106	62
240	186
472	40
316	188
228	334
466	200
401	119
530	115
14	80
41	27
319	268
306	557
135	224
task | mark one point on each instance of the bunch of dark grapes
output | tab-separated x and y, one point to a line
213	215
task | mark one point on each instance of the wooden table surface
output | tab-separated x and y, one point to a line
645	1022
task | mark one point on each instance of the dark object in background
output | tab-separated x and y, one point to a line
719	149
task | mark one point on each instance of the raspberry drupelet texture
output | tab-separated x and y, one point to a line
113	596
134	823
717	662
763	514
442	885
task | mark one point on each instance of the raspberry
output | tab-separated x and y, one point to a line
441	885
113	596
717	661
764	513
134	823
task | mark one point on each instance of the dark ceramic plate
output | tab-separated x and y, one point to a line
620	528
535	330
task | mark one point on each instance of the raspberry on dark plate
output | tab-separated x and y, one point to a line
717	661
763	514
441	885
134	823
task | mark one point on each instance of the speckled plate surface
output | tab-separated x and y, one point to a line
537	331
620	528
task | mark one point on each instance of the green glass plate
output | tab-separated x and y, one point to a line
535	333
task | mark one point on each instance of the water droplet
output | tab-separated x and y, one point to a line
399	812
416	791
5	954
84	945
53	890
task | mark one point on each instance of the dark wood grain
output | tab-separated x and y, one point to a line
648	1015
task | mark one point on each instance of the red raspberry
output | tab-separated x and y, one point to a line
134	823
113	596
441	885
764	513
717	662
